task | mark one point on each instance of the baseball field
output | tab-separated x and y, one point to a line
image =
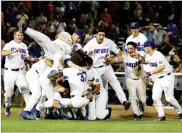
121	121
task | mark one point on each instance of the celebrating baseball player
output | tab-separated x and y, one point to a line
16	52
136	37
135	84
162	76
101	47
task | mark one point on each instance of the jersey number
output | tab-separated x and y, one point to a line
82	76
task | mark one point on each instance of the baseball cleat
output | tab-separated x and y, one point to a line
180	117
109	115
27	115
161	119
54	74
138	117
126	105
140	105
7	111
36	113
22	26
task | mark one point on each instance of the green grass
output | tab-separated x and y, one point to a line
18	125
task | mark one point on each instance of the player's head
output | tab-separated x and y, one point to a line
89	62
100	35
77	36
131	46
18	36
149	45
78	59
134	26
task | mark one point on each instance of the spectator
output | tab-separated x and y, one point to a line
22	13
32	22
179	68
41	21
60	9
113	7
88	36
159	35
62	25
173	32
34	51
148	31
105	18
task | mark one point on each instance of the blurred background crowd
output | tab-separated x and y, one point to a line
159	20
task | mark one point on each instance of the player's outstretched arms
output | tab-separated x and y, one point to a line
6	53
113	60
29	58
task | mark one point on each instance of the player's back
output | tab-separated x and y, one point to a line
62	46
76	79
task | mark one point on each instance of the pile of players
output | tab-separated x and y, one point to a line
71	81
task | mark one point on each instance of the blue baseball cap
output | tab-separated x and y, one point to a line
79	32
149	43
134	25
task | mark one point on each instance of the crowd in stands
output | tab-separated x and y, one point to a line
160	21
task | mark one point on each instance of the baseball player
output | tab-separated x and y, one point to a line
32	77
101	48
135	84
163	78
16	52
136	37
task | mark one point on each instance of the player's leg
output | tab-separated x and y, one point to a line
141	94
9	82
156	96
23	87
79	101
33	82
110	76
132	89
92	110
168	86
101	105
105	83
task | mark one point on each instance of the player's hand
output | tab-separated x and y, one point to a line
107	60
59	88
36	59
90	53
82	69
135	55
16	50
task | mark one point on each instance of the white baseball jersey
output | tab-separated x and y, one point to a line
16	60
101	50
40	66
76	79
131	66
157	59
76	47
139	40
